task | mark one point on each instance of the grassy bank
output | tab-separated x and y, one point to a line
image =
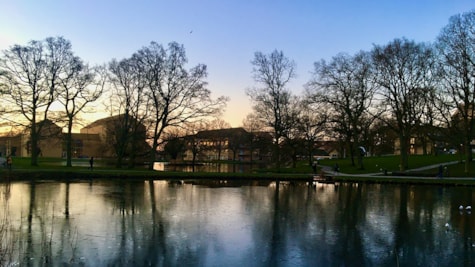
55	169
391	163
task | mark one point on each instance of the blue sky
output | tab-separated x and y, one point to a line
225	34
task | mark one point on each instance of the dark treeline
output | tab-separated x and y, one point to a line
395	93
366	101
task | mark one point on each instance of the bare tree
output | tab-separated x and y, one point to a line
31	75
272	99
456	45
131	104
404	74
254	126
293	141
174	146
312	124
345	86
218	124
177	95
252	123
78	86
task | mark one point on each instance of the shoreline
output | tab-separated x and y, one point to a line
101	174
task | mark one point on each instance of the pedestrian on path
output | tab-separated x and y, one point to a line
9	162
314	167
336	168
91	163
441	171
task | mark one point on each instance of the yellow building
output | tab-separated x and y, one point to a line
93	140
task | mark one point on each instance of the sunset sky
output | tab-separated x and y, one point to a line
225	34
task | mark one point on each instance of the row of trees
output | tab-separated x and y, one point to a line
151	88
36	76
154	87
408	87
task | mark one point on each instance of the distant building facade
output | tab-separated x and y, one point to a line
93	140
227	144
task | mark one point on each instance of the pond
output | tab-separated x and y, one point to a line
234	223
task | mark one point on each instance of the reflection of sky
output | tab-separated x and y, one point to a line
114	223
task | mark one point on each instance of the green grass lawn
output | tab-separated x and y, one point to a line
391	163
49	163
371	165
59	164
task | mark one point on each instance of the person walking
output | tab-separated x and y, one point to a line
9	162
91	163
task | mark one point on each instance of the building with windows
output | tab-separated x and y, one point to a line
96	140
227	144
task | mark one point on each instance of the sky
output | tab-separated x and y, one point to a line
225	34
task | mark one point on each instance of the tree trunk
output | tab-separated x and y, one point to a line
360	161
468	155
193	161
234	161
34	144
352	153
154	143
404	159
69	141
277	155
133	150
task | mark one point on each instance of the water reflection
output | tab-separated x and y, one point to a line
206	167
231	223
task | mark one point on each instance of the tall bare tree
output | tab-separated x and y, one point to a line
456	45
177	95
131	103
313	124
78	86
31	74
175	145
272	99
404	75
346	87
293	141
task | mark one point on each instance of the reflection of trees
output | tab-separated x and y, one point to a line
350	227
276	235
40	229
144	242
158	232
29	242
402	229
156	223
349	219
6	235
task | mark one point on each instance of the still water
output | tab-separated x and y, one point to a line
176	223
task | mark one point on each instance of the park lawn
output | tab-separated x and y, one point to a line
59	164
48	163
389	163
371	165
